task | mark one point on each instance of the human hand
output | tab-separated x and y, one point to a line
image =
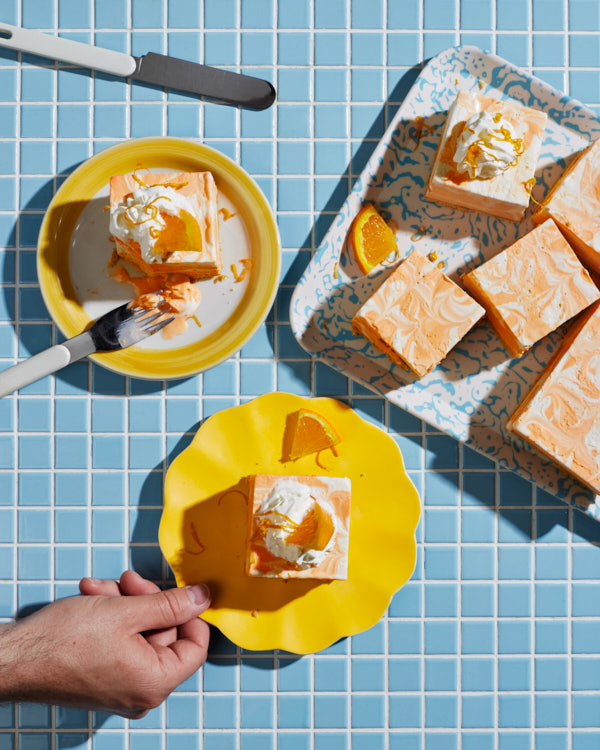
122	650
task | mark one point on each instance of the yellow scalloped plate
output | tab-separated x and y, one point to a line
178	155
203	525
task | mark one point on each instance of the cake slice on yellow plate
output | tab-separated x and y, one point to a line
167	223
298	527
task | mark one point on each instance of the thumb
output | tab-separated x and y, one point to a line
166	609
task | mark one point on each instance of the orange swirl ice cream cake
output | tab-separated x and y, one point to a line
561	415
167	223
574	204
166	226
298	527
532	287
417	315
487	156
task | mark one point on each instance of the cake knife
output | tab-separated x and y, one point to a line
161	70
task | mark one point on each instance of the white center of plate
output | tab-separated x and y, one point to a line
90	251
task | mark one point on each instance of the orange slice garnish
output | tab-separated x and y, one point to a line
372	239
310	433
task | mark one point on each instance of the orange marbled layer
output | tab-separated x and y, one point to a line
574	201
561	415
535	285
417	315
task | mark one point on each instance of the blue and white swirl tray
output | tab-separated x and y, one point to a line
471	394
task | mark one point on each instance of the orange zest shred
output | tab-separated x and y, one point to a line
433	256
442	265
232	492
139	181
336	274
420	232
226	214
196	321
174	185
528	185
107	207
318	461
194	536
254	613
247	265
421	130
309	433
220	277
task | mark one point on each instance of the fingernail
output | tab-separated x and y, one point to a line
93	580
199	594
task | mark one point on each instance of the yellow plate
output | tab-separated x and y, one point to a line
175	154
203	527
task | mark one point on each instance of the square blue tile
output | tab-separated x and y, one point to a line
368	711
477	675
293	711
477	637
514	637
551	673
294	675
71	526
405	711
477	711
330	48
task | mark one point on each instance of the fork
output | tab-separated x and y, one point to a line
117	329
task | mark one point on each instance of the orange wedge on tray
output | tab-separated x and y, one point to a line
371	238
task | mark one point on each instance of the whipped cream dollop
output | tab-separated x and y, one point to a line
487	146
283	509
138	217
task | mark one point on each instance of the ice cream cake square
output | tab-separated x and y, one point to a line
167	223
417	315
561	414
487	156
298	527
574	204
532	287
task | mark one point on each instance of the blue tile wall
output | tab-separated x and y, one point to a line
494	641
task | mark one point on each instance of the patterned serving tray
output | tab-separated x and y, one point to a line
471	394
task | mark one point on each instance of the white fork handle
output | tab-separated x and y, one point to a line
57	48
34	368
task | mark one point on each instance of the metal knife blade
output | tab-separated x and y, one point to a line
171	72
203	80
